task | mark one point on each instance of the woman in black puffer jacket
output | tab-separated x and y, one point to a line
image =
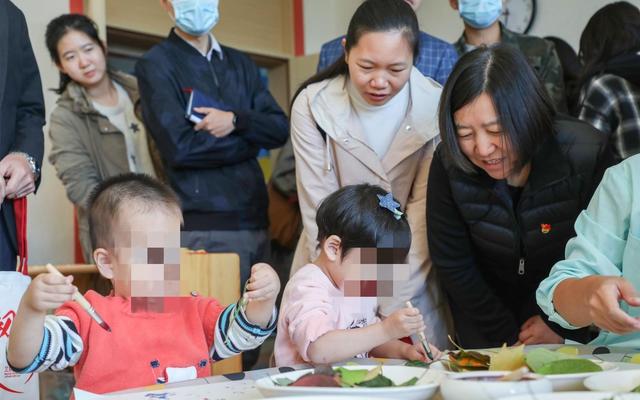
505	187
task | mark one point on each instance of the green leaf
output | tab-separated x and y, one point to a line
416	363
282	381
378	381
569	366
351	377
410	382
537	358
636	389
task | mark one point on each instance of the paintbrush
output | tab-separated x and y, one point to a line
423	339
79	298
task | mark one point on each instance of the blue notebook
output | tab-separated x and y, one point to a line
199	99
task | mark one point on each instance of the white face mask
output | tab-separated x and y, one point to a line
196	17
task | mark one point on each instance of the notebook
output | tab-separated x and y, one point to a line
199	99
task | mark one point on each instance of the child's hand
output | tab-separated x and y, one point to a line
416	352
49	291
403	322
263	284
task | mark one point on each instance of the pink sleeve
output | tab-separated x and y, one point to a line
309	315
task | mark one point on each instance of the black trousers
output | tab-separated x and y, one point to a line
7	252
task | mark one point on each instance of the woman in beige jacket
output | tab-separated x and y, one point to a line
371	118
94	131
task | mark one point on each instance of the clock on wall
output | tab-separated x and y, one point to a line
518	15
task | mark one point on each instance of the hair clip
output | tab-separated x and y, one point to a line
390	204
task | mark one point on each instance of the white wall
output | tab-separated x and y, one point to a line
326	19
50	215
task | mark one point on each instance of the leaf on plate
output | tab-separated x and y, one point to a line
568	350
507	359
410	382
378	381
351	377
569	366
416	363
536	358
282	381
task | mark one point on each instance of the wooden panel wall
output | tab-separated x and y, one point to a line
260	26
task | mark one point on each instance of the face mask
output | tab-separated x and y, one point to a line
196	17
480	14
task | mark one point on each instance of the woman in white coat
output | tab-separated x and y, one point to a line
371	117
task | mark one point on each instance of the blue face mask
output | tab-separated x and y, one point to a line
480	14
196	17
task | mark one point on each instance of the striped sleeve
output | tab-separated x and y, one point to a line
235	335
61	346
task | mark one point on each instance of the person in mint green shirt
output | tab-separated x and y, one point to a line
597	282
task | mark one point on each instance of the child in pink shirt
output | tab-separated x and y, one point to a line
328	309
156	336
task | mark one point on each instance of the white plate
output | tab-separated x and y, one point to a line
331	398
462	386
575	396
423	389
561	382
617	381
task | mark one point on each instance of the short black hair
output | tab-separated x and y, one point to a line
523	106
111	196
60	26
353	213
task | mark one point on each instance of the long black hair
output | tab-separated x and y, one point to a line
612	31
523	107
60	26
354	214
372	16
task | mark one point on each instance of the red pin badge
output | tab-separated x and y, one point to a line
545	228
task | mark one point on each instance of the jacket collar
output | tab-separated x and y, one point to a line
548	165
75	97
506	36
186	47
331	109
331	106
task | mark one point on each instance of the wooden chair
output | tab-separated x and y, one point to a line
209	274
213	275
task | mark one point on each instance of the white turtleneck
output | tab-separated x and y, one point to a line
380	123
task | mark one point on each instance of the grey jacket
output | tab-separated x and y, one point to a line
86	148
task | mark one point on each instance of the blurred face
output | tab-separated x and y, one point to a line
146	257
371	272
81	58
380	65
482	139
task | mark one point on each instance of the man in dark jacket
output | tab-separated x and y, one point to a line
212	164
21	121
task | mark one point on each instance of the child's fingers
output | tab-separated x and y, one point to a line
67	289
54	279
262	294
56	298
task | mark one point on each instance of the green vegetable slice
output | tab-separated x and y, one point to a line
537	358
569	366
351	377
378	381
